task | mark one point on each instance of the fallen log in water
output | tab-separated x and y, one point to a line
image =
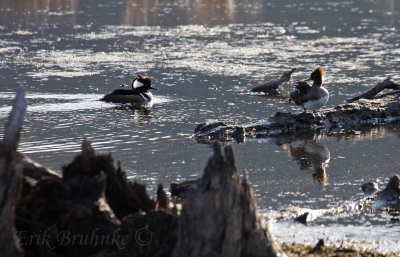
271	87
381	109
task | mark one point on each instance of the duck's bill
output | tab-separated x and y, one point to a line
153	88
308	80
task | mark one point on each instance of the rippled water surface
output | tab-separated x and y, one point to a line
204	56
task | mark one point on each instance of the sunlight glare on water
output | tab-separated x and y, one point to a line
204	57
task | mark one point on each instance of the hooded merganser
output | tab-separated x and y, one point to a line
138	94
311	97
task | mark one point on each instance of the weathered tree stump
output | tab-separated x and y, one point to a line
124	196
220	218
33	169
10	177
94	210
271	87
381	109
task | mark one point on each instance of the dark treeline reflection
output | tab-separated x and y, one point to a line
179	12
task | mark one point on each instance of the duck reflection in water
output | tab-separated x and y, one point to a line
309	153
141	114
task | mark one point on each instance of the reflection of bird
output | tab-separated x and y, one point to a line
141	115
138	94
311	97
310	155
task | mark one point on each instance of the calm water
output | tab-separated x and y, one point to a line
204	56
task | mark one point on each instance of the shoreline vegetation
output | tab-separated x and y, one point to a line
92	209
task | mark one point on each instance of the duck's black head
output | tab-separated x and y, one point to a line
318	76
142	83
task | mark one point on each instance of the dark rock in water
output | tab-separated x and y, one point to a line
318	247
390	196
220	218
182	189
271	86
302	218
391	193
369	188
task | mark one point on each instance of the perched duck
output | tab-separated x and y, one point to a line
311	97
138	94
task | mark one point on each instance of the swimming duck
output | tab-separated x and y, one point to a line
138	94
311	97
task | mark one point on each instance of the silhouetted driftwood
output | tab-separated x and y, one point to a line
381	109
271	87
10	177
220	218
388	83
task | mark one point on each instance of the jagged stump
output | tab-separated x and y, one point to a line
220	216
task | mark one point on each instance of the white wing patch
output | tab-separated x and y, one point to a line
147	97
137	84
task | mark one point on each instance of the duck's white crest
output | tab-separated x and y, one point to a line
137	84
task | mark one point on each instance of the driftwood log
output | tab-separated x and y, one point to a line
381	109
388	83
10	177
271	87
220	218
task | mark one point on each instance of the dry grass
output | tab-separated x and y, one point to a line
295	249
